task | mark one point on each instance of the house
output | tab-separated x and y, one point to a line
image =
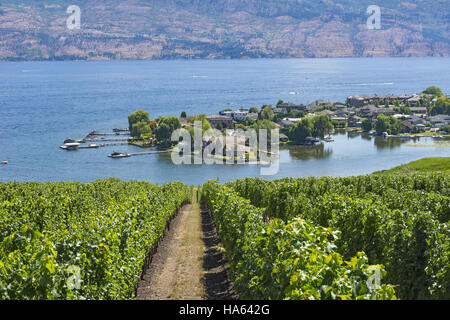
337	118
227	113
439	120
358	101
239	115
408	127
251	116
419	110
355	121
285	123
339	105
278	110
329	113
341	113
416	119
215	119
385	111
415	99
288	106
369	110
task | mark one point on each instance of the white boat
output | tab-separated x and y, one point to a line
70	146
5	162
119	155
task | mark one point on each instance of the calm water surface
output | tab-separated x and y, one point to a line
42	103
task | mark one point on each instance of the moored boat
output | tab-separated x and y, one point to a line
119	155
70	146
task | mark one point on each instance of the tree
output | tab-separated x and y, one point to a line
381	124
163	134
205	123
173	123
264	124
267	114
441	106
433	90
322	126
280	102
301	130
165	128
446	128
141	130
387	124
219	126
294	113
367	125
253	110
183	115
136	117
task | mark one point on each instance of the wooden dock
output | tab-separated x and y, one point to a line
103	145
150	152
105	139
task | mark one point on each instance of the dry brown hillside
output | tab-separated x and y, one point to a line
166	29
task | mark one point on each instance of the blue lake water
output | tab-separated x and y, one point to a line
42	103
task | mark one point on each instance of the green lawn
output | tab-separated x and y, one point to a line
422	165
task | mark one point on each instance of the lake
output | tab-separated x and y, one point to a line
43	103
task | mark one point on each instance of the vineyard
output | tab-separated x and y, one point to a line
67	240
369	237
323	238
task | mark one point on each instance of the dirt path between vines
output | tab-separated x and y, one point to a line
187	265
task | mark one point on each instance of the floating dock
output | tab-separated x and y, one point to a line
127	155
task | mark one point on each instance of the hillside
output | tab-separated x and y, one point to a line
424	165
168	29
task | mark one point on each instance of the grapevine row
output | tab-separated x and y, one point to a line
287	260
68	240
401	222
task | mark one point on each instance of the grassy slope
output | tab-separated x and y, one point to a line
421	166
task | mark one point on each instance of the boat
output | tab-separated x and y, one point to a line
93	145
328	139
70	140
5	162
70	146
120	130
119	155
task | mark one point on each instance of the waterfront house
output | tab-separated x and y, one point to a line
251	116
239	115
439	120
215	119
408	127
355	121
288	106
279	110
358	101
